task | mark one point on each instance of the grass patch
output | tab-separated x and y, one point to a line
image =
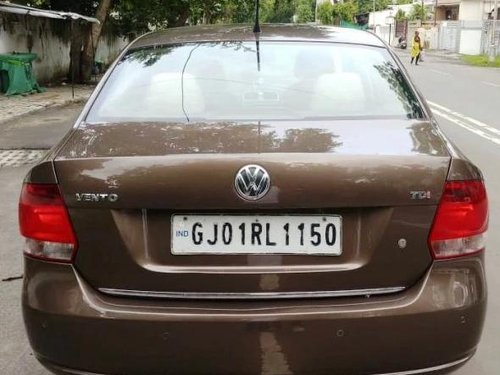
481	60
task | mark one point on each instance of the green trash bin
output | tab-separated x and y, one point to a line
4	81
16	74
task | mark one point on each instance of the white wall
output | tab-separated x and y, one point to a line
53	52
428	34
380	17
471	10
109	48
383	32
430	37
470	42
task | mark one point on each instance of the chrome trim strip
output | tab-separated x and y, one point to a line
260	295
430	369
409	372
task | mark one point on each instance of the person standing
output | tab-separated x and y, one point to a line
416	48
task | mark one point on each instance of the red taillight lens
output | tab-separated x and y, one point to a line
44	221
461	220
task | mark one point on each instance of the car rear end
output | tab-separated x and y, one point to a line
149	251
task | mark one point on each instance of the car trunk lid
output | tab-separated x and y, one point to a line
124	182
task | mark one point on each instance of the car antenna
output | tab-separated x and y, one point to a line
256	27
256	30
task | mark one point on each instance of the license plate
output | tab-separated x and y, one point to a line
259	234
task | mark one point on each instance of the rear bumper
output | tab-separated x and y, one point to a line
432	327
441	369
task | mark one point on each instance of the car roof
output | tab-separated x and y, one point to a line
274	32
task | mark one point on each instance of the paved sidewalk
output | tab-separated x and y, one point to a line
444	54
15	106
436	55
17	158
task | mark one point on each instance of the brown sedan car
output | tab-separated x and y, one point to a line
232	203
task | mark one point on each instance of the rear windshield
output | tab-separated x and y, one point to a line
254	81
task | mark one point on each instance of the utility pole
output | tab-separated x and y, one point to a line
422	14
256	27
435	11
493	47
390	32
373	15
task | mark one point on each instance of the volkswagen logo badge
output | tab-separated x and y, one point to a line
252	182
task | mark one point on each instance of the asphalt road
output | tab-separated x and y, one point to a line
466	101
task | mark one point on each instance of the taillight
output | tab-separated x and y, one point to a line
461	220
44	221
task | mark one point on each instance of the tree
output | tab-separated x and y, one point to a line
132	17
239	11
325	13
140	16
81	31
345	11
400	15
418	12
304	11
208	11
366	6
277	11
89	45
329	14
283	11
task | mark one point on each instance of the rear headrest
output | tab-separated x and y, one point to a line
307	67
162	98
338	94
